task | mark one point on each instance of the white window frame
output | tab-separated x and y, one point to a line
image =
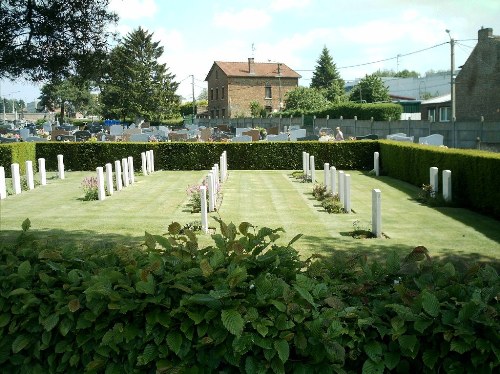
444	114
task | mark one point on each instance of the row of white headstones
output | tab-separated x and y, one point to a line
124	174
344	186
213	181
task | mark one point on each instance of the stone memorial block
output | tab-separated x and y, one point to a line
241	138
447	185
434	179
24	133
341	175
255	134
347	193
118	175
376	163
277	138
16	178
29	175
313	169
140	137
304	163
116	130
126	179
376	213
308	167
101	192
333	182
434	139
131	175
326	175
42	172
60	166
211	192
47	127
204	215
296	134
109	179
241	130
144	164
3	185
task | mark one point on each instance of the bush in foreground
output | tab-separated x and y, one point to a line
244	304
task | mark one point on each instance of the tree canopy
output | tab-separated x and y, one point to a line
305	99
42	39
135	84
327	78
370	89
400	74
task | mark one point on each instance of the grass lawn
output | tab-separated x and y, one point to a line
264	198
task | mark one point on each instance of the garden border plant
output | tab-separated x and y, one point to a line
245	303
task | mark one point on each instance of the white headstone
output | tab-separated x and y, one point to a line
327	175
115	130
60	166
341	186
211	192
3	186
144	164
304	163
204	215
376	163
152	161
131	175
118	175
126	179
376	213
447	185
434	179
16	178
333	182
347	193
29	175
101	192
109	178
24	133
313	169
41	170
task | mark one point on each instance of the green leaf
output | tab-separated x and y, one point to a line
65	326
243	227
430	357
164	242
174	228
20	343
18	291
430	303
283	349
174	341
232	321
147	287
305	294
391	359
279	305
4	319
449	269
458	345
374	350
295	238
422	324
409	344
206	268
370	367
50	322
24	269
150	241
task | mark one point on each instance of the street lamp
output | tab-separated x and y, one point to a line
452	79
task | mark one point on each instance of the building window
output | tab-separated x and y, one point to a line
431	114
444	114
222	93
212	113
211	94
217	93
223	113
268	93
217	113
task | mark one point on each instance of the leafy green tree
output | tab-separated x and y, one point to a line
305	99
203	96
135	84
370	89
400	74
43	39
257	110
69	95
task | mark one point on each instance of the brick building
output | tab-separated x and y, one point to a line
478	82
232	86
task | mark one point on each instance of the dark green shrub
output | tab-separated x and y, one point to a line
319	191
244	304
332	204
19	153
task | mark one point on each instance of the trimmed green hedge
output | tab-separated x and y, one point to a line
475	174
244	304
21	152
349	110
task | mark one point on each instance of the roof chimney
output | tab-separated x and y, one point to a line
251	67
485	34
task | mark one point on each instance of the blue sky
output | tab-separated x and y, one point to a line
357	33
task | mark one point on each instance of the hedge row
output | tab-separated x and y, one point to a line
475	180
244	304
17	153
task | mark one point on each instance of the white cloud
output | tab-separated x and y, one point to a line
245	19
133	9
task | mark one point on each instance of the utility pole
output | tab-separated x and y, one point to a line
192	89
452	76
279	87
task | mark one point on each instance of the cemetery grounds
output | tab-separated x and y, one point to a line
264	198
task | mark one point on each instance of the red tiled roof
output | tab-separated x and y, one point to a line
268	69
